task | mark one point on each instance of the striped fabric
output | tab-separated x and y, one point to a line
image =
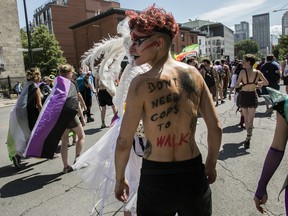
58	110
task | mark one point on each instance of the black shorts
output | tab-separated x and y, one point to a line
248	99
104	98
74	123
167	188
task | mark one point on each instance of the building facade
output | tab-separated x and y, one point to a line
58	15
285	23
241	31
11	58
92	30
219	41
261	32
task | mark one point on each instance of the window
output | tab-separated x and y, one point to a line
192	40
200	42
183	36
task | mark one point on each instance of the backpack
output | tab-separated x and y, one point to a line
220	70
80	83
209	78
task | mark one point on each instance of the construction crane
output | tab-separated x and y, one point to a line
281	9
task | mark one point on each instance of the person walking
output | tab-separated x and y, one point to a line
75	125
284	70
168	94
249	80
272	74
24	116
104	98
276	152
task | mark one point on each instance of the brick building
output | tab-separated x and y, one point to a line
58	15
11	59
92	30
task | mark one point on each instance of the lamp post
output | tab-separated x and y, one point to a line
28	36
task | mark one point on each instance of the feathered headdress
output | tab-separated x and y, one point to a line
111	51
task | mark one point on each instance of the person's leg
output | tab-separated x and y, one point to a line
286	89
81	139
103	113
64	148
249	126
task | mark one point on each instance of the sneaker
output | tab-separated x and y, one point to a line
222	102
103	125
247	144
16	161
90	120
67	169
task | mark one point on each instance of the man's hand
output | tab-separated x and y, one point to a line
259	202
210	173
122	190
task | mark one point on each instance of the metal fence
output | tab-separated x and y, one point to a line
7	85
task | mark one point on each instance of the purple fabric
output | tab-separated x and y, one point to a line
272	161
49	116
286	199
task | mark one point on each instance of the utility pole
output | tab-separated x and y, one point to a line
28	36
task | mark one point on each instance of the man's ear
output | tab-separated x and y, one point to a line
160	42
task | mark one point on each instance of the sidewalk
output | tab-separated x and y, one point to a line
7	102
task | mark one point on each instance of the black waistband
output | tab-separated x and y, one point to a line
160	168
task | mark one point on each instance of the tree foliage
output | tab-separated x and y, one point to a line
47	59
245	47
282	46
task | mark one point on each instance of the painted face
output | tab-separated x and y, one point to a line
141	44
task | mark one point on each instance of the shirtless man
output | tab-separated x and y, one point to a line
167	98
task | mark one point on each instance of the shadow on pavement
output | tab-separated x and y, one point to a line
263	115
92	131
232	129
25	167
28	184
232	150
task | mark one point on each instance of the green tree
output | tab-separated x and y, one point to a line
245	47
47	59
283	46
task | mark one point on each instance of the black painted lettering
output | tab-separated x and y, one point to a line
154	117
151	87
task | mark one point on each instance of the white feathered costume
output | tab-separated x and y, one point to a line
100	173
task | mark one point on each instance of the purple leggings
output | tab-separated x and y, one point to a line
286	199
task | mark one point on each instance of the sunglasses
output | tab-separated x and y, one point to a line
139	40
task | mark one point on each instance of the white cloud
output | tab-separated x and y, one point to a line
236	9
276	29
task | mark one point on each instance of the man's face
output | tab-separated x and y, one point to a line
142	48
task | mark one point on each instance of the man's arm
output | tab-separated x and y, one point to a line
208	112
131	118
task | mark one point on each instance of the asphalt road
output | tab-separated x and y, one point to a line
41	188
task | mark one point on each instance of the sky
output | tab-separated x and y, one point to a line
228	12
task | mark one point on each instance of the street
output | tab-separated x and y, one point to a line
41	189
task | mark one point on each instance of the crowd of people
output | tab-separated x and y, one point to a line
32	98
168	92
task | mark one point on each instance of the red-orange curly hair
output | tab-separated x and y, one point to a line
153	19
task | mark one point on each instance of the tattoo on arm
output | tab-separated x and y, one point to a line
121	141
147	150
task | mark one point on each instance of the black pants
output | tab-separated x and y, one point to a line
174	187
